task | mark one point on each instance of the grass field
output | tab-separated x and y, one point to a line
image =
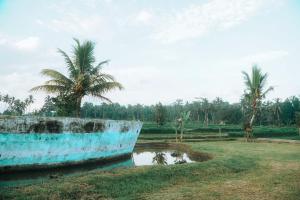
194	128
239	170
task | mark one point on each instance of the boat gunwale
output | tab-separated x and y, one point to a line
10	125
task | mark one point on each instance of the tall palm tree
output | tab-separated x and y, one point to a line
255	89
84	77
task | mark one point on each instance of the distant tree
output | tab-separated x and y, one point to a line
16	106
88	110
160	114
196	110
287	112
221	111
178	108
296	103
276	111
84	79
65	104
298	121
49	107
206	109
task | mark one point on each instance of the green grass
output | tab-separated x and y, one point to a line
290	138
194	128
238	171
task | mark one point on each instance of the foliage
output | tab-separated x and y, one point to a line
84	78
255	90
297	118
58	106
254	94
160	114
223	112
16	106
180	124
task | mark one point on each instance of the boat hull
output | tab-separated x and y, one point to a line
33	145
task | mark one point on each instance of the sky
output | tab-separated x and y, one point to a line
159	50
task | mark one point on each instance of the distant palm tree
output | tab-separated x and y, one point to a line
206	109
84	78
277	110
255	90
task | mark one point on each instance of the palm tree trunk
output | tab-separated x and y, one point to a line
78	106
181	131
249	134
252	119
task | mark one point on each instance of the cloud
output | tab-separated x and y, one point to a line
215	15
77	24
38	21
20	84
260	58
28	44
3	40
144	16
265	56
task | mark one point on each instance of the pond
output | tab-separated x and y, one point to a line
143	155
160	157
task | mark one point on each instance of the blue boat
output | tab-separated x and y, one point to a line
42	142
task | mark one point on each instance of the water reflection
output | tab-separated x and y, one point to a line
160	158
179	158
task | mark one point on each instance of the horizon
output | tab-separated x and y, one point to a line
159	51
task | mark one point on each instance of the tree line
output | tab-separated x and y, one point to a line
203	111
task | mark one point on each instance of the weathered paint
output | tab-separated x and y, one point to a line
24	146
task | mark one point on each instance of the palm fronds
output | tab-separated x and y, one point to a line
84	78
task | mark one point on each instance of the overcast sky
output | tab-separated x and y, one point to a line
159	50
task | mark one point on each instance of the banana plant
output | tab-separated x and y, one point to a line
180	123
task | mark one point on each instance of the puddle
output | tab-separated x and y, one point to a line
143	155
160	157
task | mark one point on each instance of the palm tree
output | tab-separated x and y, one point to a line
255	89
206	109
276	110
84	77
